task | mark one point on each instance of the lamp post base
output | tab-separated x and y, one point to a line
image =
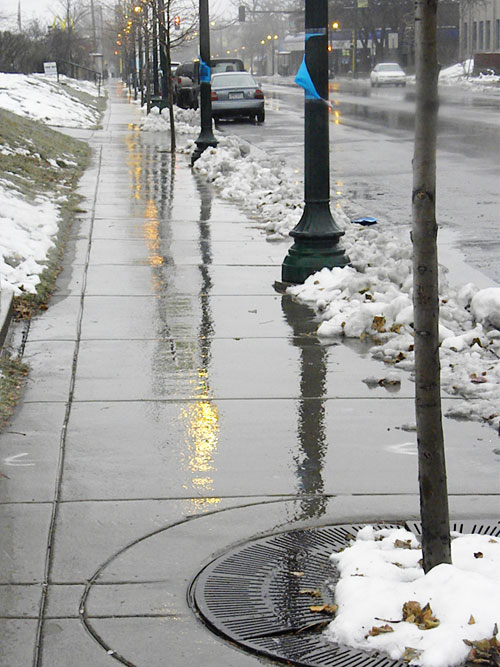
204	141
316	244
306	257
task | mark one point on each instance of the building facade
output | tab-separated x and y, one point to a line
479	27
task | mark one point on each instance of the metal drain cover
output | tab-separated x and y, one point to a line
251	595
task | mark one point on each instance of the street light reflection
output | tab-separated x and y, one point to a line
201	419
152	234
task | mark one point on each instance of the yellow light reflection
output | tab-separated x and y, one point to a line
152	233
201	419
201	416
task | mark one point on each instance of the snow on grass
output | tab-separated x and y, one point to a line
38	166
42	98
380	573
26	235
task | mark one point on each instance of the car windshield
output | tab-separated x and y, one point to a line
236	80
388	67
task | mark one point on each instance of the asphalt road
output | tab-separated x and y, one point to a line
371	148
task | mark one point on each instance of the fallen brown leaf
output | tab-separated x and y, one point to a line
402	544
324	608
316	593
410	653
380	630
378	323
422	618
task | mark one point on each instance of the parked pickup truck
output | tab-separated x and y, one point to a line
187	85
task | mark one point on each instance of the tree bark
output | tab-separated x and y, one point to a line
431	458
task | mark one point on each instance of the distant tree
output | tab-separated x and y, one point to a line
24	52
71	34
431	458
374	22
266	17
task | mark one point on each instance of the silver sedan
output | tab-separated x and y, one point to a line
237	94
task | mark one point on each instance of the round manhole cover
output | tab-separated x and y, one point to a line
259	595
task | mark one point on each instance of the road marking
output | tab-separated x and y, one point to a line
13	460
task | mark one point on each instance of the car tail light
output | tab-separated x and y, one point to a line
214	96
259	95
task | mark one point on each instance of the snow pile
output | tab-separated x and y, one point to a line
462	73
247	176
26	232
186	121
456	72
372	299
382	595
42	98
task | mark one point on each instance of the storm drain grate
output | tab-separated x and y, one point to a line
251	594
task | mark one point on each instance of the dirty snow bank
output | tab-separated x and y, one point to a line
373	297
461	74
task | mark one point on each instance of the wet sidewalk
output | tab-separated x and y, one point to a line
178	406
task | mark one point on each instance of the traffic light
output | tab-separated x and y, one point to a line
177	22
241	13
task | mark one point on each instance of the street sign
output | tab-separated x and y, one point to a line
50	69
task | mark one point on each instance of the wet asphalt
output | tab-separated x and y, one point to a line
177	406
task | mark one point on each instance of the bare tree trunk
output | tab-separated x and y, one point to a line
432	469
147	62
170	83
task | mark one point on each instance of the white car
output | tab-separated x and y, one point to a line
387	74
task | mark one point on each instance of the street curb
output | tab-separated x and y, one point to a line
6	312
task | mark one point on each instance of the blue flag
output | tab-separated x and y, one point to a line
204	72
303	79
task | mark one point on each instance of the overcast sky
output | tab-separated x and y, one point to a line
46	10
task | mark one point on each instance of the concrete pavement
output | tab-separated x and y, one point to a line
177	406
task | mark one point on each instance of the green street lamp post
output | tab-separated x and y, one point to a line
206	137
316	236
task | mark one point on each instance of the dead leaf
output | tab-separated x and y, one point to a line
298	574
478	554
324	608
422	618
410	653
484	651
492	541
315	593
380	630
378	323
402	544
472	620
